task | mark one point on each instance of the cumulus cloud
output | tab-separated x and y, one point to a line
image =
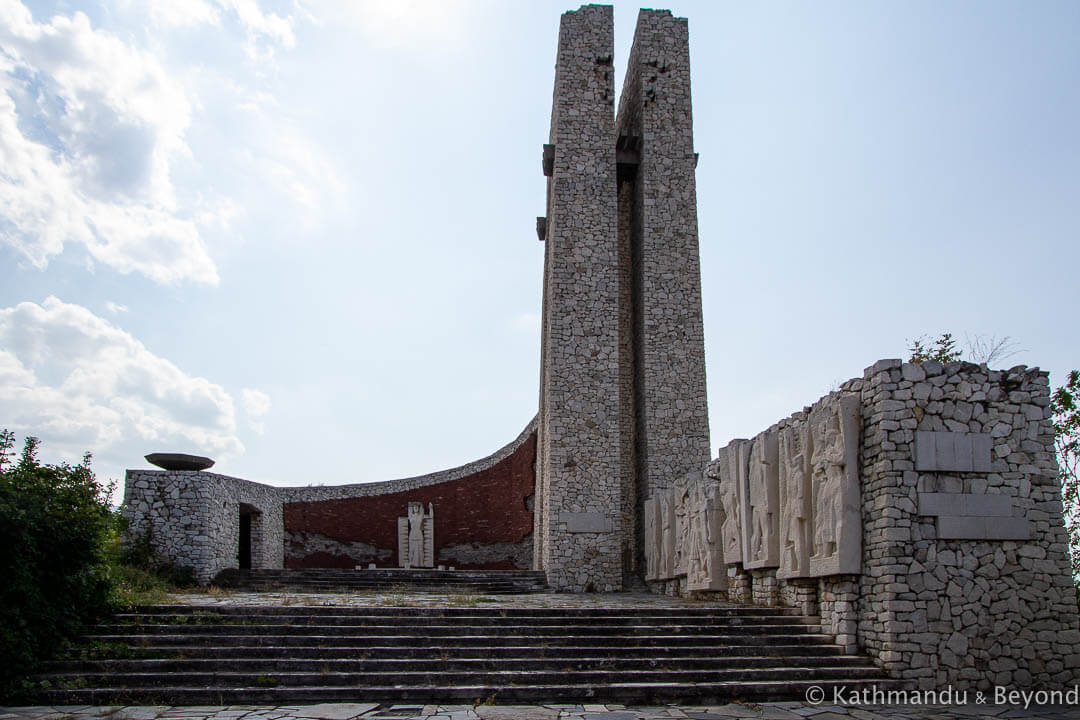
115	308
80	382
89	127
256	405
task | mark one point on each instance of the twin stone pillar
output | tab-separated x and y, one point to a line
622	388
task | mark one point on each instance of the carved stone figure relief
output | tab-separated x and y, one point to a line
762	536
836	528
681	501
416	537
729	470
706	569
794	450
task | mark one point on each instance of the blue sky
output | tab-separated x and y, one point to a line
299	236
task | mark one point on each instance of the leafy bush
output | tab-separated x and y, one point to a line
54	524
942	350
140	575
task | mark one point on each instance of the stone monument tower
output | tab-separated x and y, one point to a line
622	381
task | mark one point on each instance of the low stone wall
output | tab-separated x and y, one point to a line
483	516
193	518
917	510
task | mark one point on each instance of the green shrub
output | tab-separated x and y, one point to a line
54	524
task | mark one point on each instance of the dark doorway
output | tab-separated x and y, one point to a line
243	555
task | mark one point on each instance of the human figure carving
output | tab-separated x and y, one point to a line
731	530
759	502
416	534
697	569
828	475
794	507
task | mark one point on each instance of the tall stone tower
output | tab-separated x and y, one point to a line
622	381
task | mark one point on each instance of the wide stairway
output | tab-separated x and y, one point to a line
289	654
488	582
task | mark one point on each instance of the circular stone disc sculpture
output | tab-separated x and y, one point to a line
179	461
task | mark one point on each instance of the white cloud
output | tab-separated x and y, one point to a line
115	308
410	25
258	23
81	383
256	405
183	13
89	126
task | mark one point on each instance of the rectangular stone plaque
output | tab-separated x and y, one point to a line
965	505
586	522
952	452
983	528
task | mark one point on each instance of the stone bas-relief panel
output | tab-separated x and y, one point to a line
836	527
706	569
416	537
762	531
683	534
795	509
728	471
681	501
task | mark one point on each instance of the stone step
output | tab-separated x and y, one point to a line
419	631
290	654
421	580
525	662
374	652
238	678
576	640
745	689
436	612
488	620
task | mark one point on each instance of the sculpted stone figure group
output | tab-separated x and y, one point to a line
788	499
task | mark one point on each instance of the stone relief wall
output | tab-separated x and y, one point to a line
919	514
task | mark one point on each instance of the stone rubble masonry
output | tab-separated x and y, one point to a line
193	518
622	385
995	606
482	511
655	106
581	463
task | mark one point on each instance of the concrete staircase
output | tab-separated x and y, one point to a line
488	582
288	655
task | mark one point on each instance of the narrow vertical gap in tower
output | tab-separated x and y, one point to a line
631	551
635	489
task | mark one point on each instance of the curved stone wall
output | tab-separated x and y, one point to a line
483	515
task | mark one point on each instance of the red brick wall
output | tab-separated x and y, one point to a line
487	510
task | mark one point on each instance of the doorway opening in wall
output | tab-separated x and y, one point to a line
250	524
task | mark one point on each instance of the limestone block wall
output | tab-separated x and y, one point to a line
965	547
957	574
193	518
582	465
655	122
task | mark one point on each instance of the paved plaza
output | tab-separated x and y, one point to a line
371	711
